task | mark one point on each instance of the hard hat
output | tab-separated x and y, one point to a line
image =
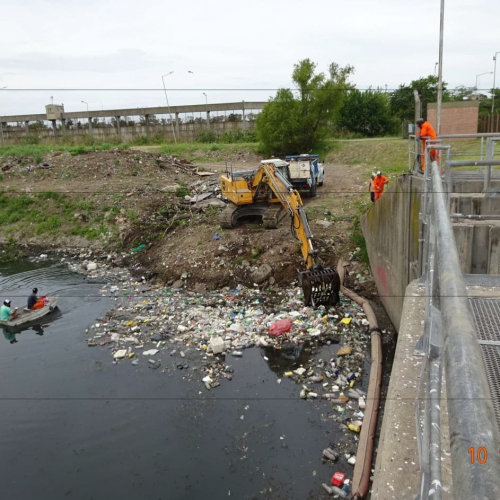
379	173
7	302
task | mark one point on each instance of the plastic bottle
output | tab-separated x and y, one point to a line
338	491
354	428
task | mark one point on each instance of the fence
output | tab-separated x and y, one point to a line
184	131
489	124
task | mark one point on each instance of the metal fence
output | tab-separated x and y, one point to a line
450	342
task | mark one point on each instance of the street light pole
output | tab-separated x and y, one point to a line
168	105
494	77
435	68
440	70
481	74
206	98
87	105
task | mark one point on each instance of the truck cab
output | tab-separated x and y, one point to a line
305	172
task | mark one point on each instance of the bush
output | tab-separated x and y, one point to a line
180	192
30	139
234	136
88	140
206	136
79	150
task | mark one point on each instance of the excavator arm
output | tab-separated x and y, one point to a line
320	285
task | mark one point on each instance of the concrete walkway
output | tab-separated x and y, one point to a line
397	468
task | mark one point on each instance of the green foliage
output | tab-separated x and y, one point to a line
403	100
78	151
235	136
358	240
182	191
367	113
228	137
206	136
30	139
38	150
291	124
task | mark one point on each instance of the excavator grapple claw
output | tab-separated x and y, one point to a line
321	286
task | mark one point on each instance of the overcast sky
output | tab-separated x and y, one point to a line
229	44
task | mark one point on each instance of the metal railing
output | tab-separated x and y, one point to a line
415	151
450	341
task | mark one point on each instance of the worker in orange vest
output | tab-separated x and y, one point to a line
426	132
379	182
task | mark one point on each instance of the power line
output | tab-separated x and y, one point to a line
201	89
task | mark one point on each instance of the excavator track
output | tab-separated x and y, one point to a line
229	217
273	216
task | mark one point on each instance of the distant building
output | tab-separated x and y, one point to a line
54	111
458	117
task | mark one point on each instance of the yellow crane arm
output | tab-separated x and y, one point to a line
291	200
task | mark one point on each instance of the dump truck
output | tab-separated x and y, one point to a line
265	191
305	172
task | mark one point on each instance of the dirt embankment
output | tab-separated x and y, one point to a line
121	199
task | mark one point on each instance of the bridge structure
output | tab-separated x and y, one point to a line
434	245
59	119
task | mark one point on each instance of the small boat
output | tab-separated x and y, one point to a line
26	315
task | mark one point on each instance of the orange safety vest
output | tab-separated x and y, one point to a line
379	185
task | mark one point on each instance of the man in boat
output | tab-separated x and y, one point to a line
6	313
32	298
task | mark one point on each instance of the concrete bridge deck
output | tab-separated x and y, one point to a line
397	469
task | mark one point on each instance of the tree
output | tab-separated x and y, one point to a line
403	101
234	117
293	123
367	113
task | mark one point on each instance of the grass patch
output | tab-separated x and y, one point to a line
358	240
202	151
38	150
387	155
182	191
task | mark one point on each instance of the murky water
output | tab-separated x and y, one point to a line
76	426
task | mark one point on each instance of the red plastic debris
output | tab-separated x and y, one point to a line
338	479
280	327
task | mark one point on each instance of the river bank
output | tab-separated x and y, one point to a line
194	303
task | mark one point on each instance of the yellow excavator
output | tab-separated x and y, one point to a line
266	192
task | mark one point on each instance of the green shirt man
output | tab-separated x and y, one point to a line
5	311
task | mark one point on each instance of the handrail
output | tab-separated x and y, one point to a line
470	408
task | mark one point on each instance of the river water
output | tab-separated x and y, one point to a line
76	426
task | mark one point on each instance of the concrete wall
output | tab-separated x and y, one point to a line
456	117
186	131
391	231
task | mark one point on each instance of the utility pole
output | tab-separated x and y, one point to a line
494	77
168	105
440	71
